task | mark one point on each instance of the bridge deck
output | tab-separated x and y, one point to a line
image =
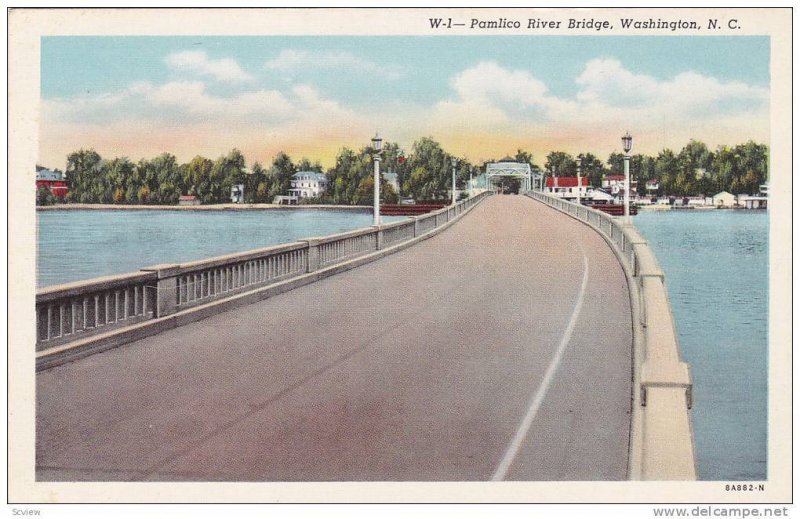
490	350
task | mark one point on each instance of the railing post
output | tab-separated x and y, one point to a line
416	226
166	288
378	237
312	254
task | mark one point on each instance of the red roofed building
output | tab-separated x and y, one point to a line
566	187
52	180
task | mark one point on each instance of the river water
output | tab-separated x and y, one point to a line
76	244
717	272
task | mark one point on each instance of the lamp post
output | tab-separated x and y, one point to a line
376	159
578	160
454	161
470	182
627	144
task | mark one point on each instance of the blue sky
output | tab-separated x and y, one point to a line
481	97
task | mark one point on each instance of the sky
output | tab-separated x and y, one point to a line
480	97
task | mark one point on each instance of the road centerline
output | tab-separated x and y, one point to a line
536	401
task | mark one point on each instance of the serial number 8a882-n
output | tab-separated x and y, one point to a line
744	487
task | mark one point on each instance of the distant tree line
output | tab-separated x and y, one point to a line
424	174
695	170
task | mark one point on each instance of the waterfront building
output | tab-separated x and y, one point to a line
237	194
567	187
52	180
723	199
753	202
652	185
599	196
308	184
188	200
615	184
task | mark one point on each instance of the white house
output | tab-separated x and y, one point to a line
615	184
237	193
652	185
723	199
308	184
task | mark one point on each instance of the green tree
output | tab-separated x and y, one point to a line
85	177
256	188
44	196
164	180
667	172
365	193
430	177
346	180
694	164
393	160
306	165
525	157
280	175
560	164
753	166
197	179
227	171
118	173
143	194
616	164
593	168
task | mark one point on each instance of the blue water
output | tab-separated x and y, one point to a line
717	273
75	245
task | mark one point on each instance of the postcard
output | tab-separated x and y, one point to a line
400	255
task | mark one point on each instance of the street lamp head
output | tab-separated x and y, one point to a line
578	161
454	161
627	142
376	143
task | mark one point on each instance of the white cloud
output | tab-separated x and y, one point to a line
224	69
290	60
490	95
488	80
607	82
607	92
188	102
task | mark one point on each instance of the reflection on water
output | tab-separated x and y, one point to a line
76	245
717	272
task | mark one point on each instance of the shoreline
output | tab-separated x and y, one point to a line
664	207
211	207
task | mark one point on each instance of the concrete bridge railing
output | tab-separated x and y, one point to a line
77	319
662	445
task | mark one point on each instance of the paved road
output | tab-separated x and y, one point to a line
499	349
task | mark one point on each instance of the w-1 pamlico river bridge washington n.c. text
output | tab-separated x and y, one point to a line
571	23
